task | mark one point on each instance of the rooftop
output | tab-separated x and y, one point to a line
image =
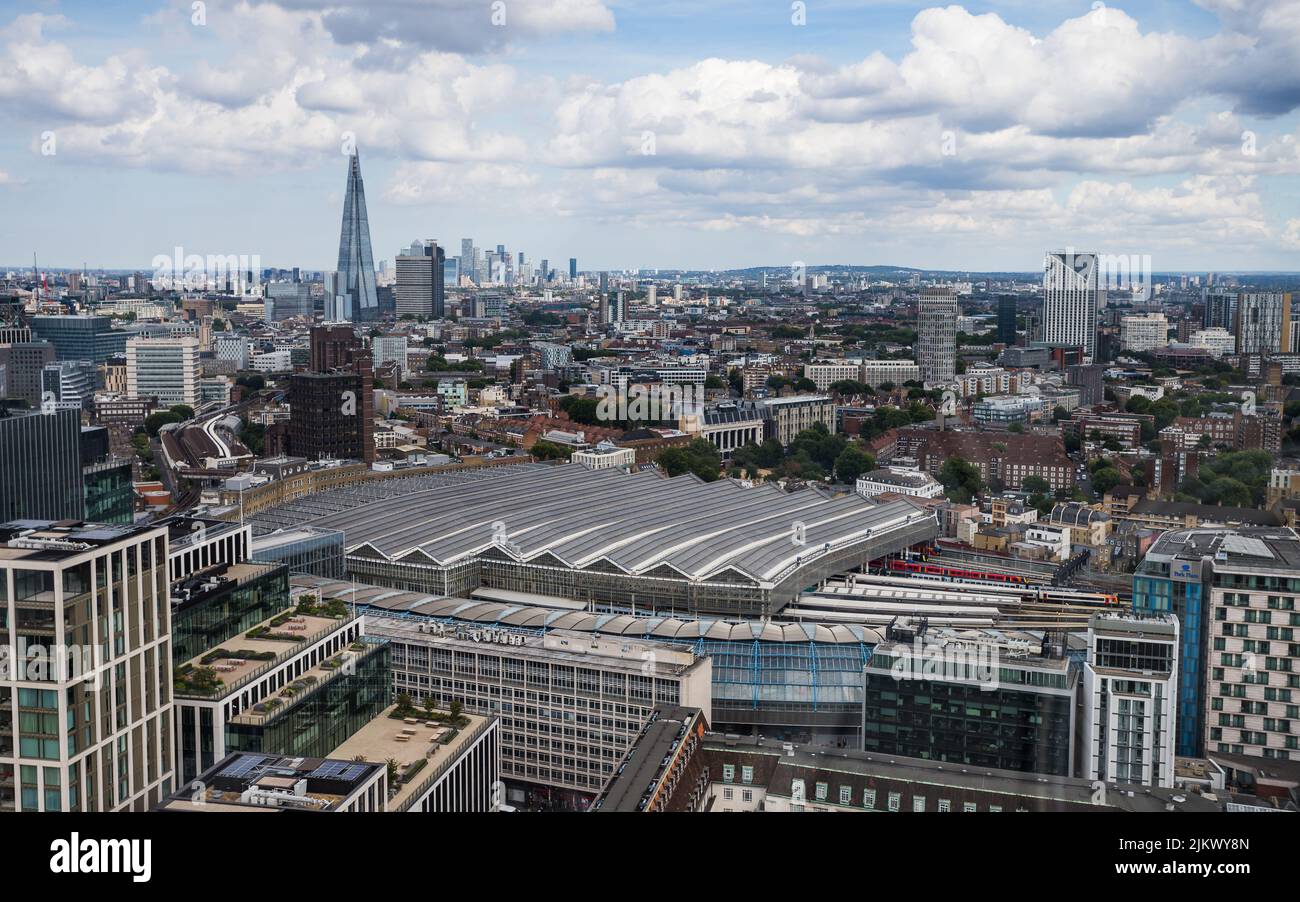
55	540
250	781
419	745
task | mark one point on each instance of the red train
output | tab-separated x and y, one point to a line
942	571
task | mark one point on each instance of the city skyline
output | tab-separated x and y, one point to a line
780	141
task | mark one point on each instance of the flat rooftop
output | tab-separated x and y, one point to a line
231	666
407	741
56	540
329	783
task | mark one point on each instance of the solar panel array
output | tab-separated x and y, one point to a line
338	770
244	766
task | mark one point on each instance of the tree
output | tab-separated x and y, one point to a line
184	411
852	463
156	421
961	480
1035	485
699	457
1106	478
543	450
455	709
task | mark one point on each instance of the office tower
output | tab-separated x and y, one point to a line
1264	323
936	335
1007	319
1220	310
234	348
573	269
420	280
356	263
467	258
390	349
163	368
980	702
80	337
546	271
23	363
331	407
1070	301
652	296
288	299
91	729
69	383
1143	332
450	276
1130	690
331	347
41	474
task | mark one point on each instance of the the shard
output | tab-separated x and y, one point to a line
356	300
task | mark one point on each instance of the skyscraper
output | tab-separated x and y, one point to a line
1263	323
467	258
356	262
1007	319
421	281
936	335
573	269
1070	300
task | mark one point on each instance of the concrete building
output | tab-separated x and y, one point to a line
1130	691
163	368
898	480
1070	283
786	417
936	335
604	456
1143	332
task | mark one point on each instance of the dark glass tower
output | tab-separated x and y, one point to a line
356	262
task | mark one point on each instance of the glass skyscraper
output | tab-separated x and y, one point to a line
356	267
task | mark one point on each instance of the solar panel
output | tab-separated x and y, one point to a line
243	766
354	772
328	770
1238	544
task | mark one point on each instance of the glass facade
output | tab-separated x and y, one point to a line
1003	727
356	262
1156	591
321	718
210	619
109	495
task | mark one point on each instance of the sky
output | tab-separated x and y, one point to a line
642	134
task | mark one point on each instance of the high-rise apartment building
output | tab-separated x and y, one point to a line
356	269
163	368
936	335
1070	301
86	706
1263	323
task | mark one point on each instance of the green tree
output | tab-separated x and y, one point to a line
1035	485
961	480
852	463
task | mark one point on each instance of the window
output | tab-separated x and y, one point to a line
747	774
728	773
821	792
868	798
894	799
846	795
945	805
968	807
726	793
918	803
747	795
995	808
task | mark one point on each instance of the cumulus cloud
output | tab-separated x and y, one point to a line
980	128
